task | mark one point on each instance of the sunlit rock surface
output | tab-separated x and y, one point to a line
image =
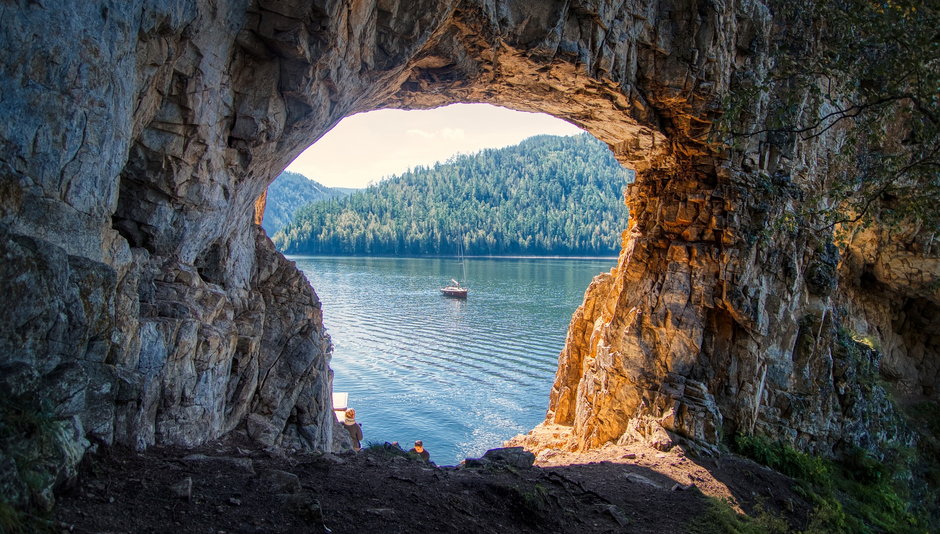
143	305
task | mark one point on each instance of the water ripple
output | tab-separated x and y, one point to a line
461	375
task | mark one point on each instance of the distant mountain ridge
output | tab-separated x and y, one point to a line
289	192
548	195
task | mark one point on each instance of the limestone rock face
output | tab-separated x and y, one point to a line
143	305
892	298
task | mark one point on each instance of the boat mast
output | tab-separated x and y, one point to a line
462	263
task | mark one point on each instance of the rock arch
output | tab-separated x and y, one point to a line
149	308
610	84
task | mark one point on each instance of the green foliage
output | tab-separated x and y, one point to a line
535	499
783	458
26	427
14	521
530	502
828	517
547	195
869	341
871	66
861	467
862	355
288	193
857	494
27	431
24	416
721	518
924	417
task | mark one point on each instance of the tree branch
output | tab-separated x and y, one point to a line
846	113
926	160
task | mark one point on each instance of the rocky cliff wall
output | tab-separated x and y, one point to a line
144	306
890	294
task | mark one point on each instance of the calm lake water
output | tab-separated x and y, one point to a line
462	375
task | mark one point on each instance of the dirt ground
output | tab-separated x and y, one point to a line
227	487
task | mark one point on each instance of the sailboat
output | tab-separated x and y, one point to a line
455	290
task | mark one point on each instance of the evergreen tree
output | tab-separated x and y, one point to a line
288	193
548	195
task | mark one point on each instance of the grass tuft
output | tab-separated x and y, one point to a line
783	458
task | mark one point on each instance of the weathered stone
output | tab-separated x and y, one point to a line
659	439
14	488
333	459
640	479
892	297
821	272
512	456
616	513
341	439
476	463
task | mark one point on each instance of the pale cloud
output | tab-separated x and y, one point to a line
419	133
443	133
367	147
453	133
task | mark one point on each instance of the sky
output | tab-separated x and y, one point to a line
364	148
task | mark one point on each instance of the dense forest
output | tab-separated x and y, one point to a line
548	195
289	192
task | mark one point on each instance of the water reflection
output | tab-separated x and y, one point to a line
462	375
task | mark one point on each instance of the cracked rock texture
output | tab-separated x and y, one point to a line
144	305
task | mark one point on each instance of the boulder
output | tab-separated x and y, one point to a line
512	456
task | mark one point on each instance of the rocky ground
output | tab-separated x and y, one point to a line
227	487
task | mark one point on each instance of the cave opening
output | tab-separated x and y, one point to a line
161	315
192	189
412	361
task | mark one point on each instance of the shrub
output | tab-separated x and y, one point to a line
721	518
783	458
857	494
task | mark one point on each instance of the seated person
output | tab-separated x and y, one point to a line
421	451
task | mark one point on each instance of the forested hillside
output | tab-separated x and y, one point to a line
289	192
546	196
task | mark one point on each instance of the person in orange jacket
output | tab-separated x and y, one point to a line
421	451
354	428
